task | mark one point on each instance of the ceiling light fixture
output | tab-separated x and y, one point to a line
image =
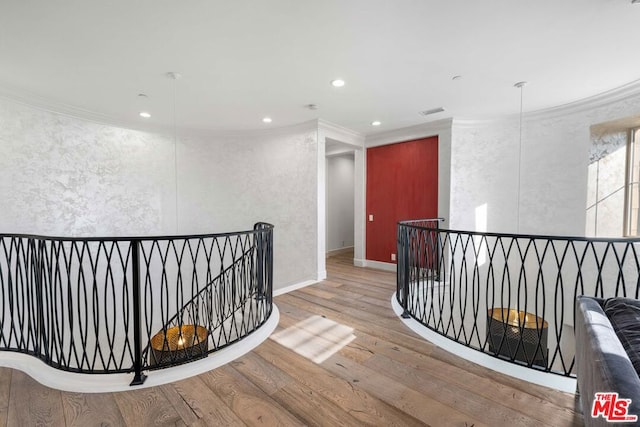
143	105
519	85
337	83
267	120
376	123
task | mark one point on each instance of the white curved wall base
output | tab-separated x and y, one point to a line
101	383
557	382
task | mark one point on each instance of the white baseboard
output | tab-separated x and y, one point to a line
102	383
294	287
558	382
322	275
339	251
387	266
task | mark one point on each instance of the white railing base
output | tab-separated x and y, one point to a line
102	383
558	382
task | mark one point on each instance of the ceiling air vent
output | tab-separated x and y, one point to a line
432	111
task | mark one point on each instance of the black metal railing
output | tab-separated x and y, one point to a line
509	295
114	305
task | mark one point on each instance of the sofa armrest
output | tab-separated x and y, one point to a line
602	365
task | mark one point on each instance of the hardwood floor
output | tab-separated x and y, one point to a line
384	375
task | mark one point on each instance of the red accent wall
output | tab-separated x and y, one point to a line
402	183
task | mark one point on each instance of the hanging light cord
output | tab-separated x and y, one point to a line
519	85
175	76
175	146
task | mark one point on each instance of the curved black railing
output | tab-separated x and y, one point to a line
118	305
509	295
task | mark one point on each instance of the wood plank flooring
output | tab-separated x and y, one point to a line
384	376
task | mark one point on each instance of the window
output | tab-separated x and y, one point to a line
632	185
613	188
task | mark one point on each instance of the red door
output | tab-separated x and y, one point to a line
402	183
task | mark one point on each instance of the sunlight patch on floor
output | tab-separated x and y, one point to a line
316	338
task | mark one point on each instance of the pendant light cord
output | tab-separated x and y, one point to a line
175	147
519	85
175	77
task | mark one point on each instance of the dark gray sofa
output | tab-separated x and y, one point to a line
603	362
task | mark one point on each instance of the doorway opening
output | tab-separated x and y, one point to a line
340	198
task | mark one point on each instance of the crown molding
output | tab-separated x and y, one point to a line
309	125
71	112
465	123
591	103
600	100
422	130
340	152
36	102
340	133
329	130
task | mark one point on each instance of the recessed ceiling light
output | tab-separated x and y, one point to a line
145	114
267	120
337	83
376	123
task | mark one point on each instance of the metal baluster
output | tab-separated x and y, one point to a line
138	377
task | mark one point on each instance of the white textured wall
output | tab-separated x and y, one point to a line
554	175
69	177
484	174
340	201
555	158
229	183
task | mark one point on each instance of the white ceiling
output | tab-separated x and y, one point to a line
243	60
